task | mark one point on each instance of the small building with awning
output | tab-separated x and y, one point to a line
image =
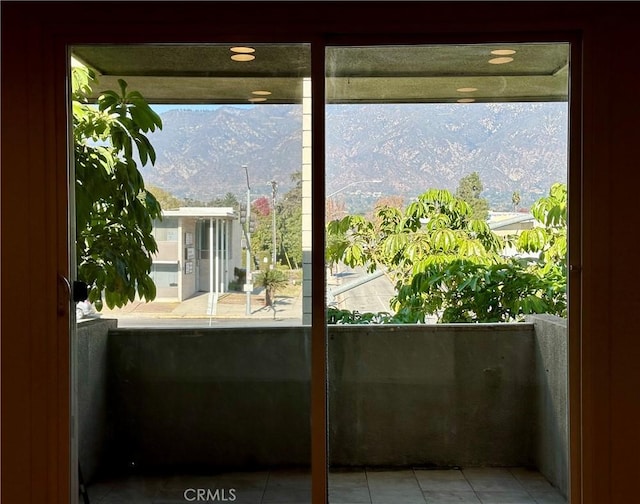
199	250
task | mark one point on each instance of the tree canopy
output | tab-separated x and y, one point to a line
448	264
114	211
469	190
167	200
288	225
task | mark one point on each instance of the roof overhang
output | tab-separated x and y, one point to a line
206	74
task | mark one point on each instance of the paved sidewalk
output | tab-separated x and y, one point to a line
230	305
233	305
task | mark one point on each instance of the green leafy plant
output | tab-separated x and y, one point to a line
463	291
337	316
437	227
449	265
272	280
114	211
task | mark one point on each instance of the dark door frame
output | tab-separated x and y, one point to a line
35	347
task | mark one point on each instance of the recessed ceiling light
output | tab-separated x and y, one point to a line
243	57
261	93
503	52
466	89
501	61
256	100
466	100
242	49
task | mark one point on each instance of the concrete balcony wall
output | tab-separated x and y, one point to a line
551	455
437	395
210	398
93	405
430	395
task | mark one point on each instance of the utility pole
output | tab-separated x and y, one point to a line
248	286
274	186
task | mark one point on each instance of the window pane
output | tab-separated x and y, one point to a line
209	382
442	163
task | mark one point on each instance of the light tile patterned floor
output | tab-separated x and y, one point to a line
417	486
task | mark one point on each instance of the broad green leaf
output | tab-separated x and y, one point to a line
444	239
532	240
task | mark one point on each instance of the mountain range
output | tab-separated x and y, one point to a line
408	148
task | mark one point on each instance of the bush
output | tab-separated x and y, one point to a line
272	280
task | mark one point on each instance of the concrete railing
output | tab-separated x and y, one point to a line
430	395
94	413
233	398
551	455
437	395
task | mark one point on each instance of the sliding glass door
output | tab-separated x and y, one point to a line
215	374
446	182
193	233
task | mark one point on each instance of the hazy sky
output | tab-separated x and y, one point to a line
161	109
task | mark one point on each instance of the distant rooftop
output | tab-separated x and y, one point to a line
499	220
200	212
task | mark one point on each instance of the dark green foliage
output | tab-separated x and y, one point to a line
228	200
337	316
272	280
515	200
469	190
288	228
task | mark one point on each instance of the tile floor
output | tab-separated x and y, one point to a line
418	486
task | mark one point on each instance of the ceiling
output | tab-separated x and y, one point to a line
389	74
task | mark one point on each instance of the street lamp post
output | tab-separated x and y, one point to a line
248	287
274	185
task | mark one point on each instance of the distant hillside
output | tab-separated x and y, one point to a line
514	147
201	153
